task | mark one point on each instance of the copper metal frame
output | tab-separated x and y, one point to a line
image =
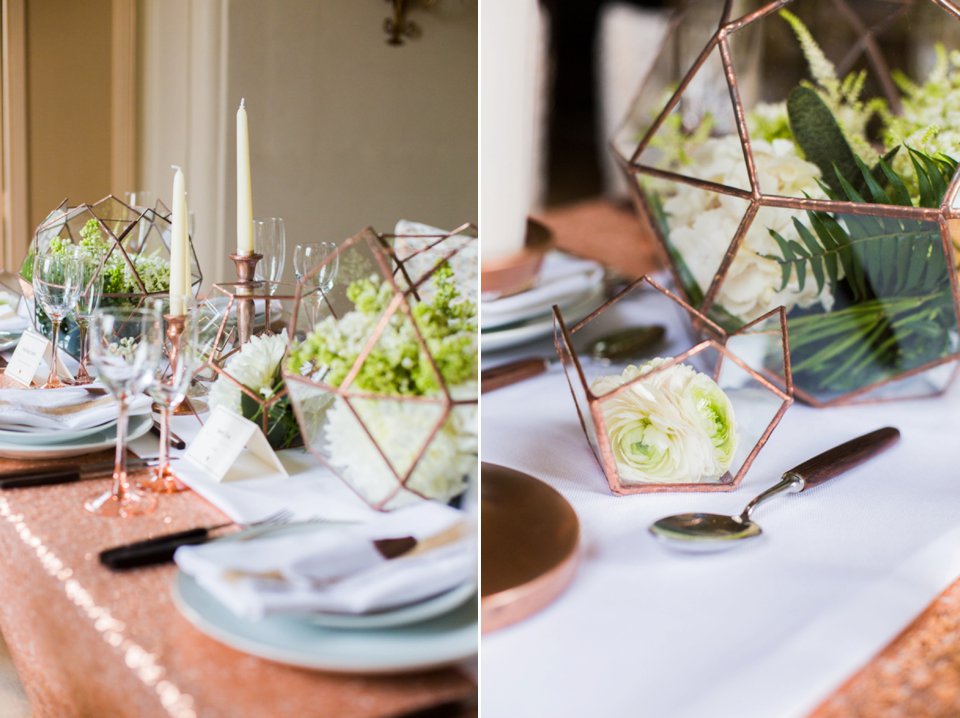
116	230
634	169
241	298
715	338
392	269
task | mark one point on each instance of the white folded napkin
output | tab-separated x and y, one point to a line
67	408
333	568
10	321
562	279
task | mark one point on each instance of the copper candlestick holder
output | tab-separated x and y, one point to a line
246	271
162	479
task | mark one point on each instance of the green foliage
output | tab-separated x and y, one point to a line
398	364
282	429
819	136
890	272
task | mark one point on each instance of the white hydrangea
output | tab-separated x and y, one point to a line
702	224
399	428
255	366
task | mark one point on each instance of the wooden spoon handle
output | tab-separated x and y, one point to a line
839	459
512	372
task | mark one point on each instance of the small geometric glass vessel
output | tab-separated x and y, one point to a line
378	411
742	149
247	377
658	425
132	245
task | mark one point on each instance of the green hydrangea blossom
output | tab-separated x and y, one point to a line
398	364
118	276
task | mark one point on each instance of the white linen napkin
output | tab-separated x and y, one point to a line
563	279
333	568
10	320
67	408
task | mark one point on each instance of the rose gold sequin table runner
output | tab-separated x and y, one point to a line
88	642
916	676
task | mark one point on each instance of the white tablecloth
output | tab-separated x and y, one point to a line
767	631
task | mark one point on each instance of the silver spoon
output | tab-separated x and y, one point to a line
716	532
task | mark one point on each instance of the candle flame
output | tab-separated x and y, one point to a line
175	168
243	103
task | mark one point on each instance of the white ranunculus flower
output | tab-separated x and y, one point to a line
702	225
400	428
673	426
254	366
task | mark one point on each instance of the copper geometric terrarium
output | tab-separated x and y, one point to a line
384	383
654	425
259	313
802	153
130	244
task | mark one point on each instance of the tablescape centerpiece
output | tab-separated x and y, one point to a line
130	247
384	383
694	421
246	376
779	161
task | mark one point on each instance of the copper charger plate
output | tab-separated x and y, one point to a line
529	539
517	272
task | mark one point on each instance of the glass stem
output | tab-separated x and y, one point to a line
82	372
120	485
164	458
54	377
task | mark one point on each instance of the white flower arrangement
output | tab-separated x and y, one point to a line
255	366
702	224
674	426
443	472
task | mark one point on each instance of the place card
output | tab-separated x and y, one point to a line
230	447
27	358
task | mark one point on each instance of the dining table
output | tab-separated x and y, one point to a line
847	605
86	641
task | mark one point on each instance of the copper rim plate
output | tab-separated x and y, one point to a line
529	542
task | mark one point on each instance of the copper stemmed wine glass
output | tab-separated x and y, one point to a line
170	381
56	282
88	301
125	349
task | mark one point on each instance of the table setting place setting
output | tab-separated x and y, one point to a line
734	470
329	455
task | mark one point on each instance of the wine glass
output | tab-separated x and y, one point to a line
269	239
88	301
170	381
56	282
316	265
125	346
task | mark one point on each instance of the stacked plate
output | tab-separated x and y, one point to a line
60	423
12	323
433	632
575	285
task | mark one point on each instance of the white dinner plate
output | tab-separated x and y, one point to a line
399	616
49	437
497	339
441	641
103	439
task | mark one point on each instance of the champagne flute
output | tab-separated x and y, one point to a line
170	382
316	265
125	347
56	282
269	239
88	301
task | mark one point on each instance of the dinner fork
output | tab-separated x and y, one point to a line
160	549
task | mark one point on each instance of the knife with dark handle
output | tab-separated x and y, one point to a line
50	476
175	441
160	549
627	344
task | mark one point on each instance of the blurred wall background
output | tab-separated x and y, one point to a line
345	130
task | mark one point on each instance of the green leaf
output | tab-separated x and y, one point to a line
820	137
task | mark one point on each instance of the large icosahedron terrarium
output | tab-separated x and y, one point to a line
804	154
384	381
